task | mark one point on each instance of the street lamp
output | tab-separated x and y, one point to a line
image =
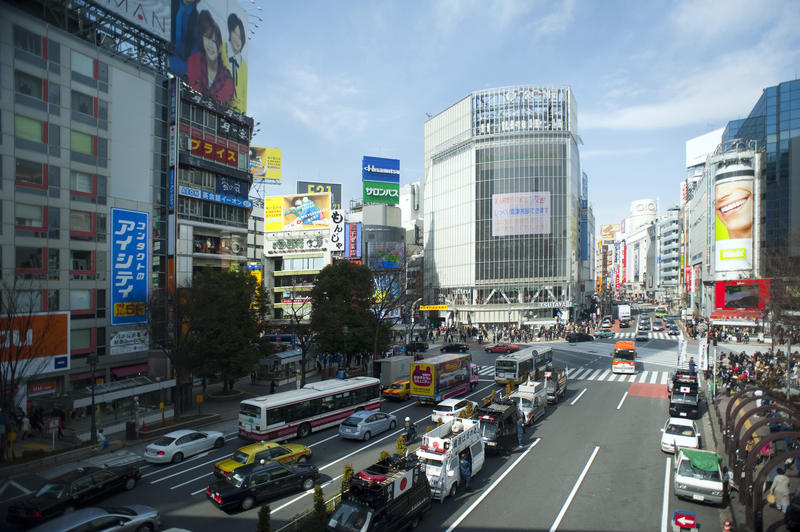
92	359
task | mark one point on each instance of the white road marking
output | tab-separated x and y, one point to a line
162	469
579	396
593	376
583	374
653	377
664	377
665	501
632	378
574	491
643	377
622	400
156	481
604	375
494	484
612	377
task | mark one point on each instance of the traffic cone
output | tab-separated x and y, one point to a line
727	526
144	426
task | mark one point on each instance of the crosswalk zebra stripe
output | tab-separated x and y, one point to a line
633	378
643	377
653	377
664	377
612	377
593	376
604	375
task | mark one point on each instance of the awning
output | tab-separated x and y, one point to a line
124	371
87	375
746	318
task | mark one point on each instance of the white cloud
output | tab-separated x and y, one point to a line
593	154
538	18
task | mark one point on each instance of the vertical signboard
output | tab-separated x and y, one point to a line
381	180
265	164
129	251
733	205
353	235
337	230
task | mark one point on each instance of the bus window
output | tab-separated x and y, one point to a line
276	415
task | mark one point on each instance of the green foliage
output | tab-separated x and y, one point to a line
428	429
384	455
401	446
467	412
348	474
320	511
263	519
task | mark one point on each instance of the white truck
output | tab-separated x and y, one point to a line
532	399
624	313
393	368
440	451
698	476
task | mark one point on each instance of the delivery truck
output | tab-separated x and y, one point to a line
440	377
392	369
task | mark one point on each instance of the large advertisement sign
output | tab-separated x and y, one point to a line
733	204
150	15
265	163
524	213
380	169
352	231
312	187
385	255
210	49
296	212
380	192
129	271
36	343
422	379
750	294
214	152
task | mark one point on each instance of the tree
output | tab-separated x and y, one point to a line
400	446
25	334
346	476
320	510
341	297
224	311
387	303
263	519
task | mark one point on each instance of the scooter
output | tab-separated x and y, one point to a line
410	434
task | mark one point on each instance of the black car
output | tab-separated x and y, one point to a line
579	337
416	347
255	482
452	348
81	487
624	324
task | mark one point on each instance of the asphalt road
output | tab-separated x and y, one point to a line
592	463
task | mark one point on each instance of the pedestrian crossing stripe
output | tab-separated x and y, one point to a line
651	336
602	375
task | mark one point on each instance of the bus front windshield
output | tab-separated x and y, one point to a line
624	355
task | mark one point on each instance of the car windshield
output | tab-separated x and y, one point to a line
398	386
488	430
684	398
680	430
349	517
240	457
624	354
433	462
236	479
524	402
119	510
688	470
163	441
55	490
505	365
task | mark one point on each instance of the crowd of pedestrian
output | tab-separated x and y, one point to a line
765	369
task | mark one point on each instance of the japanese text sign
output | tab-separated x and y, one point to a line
129	271
337	231
214	152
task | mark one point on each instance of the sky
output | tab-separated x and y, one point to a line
330	82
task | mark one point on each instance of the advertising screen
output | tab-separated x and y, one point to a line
733	203
306	211
209	42
524	213
385	255
265	163
312	187
750	294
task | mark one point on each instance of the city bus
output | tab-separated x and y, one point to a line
315	406
623	357
542	357
514	367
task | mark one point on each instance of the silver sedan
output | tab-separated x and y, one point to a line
180	444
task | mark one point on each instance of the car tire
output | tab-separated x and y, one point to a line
177	458
302	460
248	503
220	443
308	483
367	435
130	483
392	425
453	490
147	527
304	430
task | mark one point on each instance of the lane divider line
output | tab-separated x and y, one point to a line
665	502
492	486
572	493
579	396
624	395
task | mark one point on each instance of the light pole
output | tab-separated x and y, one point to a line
92	359
344	340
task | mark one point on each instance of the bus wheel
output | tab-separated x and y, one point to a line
304	430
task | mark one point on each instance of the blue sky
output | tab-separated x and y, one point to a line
333	81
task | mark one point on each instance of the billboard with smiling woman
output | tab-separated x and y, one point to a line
734	198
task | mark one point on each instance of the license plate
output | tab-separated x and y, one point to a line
698	497
683	414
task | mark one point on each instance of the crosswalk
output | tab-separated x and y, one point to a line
652	336
604	375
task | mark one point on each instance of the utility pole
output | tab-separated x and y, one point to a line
92	359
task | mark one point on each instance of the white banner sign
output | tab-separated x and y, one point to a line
130	342
702	354
337	230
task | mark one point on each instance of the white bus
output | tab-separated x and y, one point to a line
543	357
315	406
514	367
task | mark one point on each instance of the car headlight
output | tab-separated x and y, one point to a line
681	486
716	493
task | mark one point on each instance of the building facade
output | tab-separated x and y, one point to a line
502	204
668	238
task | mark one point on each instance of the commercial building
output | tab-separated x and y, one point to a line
668	263
502	203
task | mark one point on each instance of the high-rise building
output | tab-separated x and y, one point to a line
668	232
502	204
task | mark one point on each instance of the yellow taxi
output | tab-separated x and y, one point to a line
266	450
398	390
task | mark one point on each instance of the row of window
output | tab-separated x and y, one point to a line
83	303
39	178
216	213
41	136
313	407
85	108
42	221
83	264
210	122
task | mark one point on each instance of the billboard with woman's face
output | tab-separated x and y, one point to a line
733	205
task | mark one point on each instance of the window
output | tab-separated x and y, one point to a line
52	300
28	301
82	260
82	103
80	340
29	258
29	215
81	222
80	299
100	304
28	128
82	64
81	143
82	182
28	41
102	110
29	172
27	84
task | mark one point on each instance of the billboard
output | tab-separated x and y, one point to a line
337	235
209	41
312	187
129	266
523	213
607	231
385	255
150	15
380	192
265	163
352	232
42	338
296	212
380	169
214	152
750	294
733	205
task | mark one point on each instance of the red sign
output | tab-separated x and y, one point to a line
745	294
685	519
214	152
41	388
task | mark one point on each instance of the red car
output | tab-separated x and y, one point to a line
502	348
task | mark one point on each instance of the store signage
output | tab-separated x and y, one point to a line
380	169
432	307
133	341
380	192
214	152
129	267
41	388
337	235
296	244
553	304
353	235
213	196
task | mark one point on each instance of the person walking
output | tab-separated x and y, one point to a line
466	470
520	424
26	427
692	366
780	488
253	377
272	386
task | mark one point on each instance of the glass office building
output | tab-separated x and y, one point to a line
774	122
503	192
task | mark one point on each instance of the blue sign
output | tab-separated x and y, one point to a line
380	169
171	190
130	231
216	198
229	186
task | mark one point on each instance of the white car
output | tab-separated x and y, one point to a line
180	444
449	408
679	432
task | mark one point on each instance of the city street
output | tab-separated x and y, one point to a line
592	463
